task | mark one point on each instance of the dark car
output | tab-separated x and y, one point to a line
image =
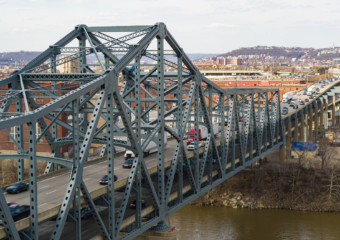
304	93
128	163
85	212
19	211
305	89
311	97
17	187
103	180
302	103
133	204
306	100
284	111
323	85
295	106
225	123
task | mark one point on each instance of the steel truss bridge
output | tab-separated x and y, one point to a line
180	98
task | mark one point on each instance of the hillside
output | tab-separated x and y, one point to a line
274	52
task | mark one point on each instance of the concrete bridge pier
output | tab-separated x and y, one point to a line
289	140
310	135
296	130
333	112
302	128
321	118
282	153
316	121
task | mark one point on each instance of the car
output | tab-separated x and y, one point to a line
240	119
317	89
225	123
17	187
295	106
306	100
85	212
191	146
317	92
299	100
305	93
302	103
299	93
288	102
133	204
323	85
19	212
292	103
311	97
284	111
128	163
305	89
11	203
320	81
104	179
185	136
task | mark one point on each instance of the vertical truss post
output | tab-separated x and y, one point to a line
33	180
210	155
160	106
53	88
278	119
110	165
137	102
76	198
266	117
20	139
138	109
233	126
138	188
196	135
223	137
107	62
82	55
179	129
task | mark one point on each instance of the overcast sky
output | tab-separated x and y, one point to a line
199	26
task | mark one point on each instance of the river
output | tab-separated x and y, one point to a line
202	223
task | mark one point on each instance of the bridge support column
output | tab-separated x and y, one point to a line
310	135
296	131
289	140
282	154
333	112
326	122
321	117
302	128
316	121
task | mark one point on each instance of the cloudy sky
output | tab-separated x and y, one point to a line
200	26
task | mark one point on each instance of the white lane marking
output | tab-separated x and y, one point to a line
86	179
42	204
53	177
51	192
43	187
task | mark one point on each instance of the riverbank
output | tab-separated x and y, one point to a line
273	186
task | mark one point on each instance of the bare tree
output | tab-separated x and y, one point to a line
332	177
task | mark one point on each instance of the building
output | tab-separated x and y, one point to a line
69	67
336	61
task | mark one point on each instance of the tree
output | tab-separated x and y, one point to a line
332	177
325	152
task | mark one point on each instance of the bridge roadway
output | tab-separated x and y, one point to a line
323	90
51	191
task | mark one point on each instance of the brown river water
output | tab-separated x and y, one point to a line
208	222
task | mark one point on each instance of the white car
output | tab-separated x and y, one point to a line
191	146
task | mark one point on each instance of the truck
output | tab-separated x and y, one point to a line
311	90
287	96
202	133
151	148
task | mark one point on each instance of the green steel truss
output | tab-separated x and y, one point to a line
116	102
